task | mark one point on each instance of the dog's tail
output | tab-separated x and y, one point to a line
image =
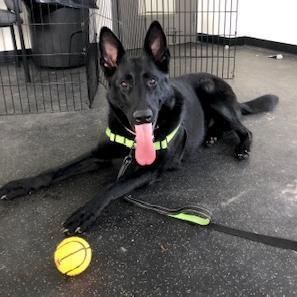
261	104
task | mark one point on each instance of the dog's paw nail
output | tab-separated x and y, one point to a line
65	231
211	140
78	230
4	197
242	156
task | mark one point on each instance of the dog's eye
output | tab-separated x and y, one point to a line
152	82
124	85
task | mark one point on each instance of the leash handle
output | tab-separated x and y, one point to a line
201	216
196	219
192	214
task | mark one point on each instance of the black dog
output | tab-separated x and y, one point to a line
153	121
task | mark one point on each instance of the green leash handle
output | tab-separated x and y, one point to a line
193	218
194	214
201	216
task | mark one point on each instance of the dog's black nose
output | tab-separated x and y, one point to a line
143	116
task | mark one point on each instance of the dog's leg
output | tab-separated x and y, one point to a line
242	150
94	160
222	105
231	120
214	133
80	220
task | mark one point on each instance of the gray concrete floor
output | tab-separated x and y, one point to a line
138	253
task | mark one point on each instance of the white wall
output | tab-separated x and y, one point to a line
217	17
100	17
274	20
5	35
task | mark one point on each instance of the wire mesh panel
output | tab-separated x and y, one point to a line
43	55
200	33
49	48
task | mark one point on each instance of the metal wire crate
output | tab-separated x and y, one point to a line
53	64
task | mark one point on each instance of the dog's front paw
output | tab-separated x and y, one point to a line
15	189
79	221
210	141
241	152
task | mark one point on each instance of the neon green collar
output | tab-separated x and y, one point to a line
158	145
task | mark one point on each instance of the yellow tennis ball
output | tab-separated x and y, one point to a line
73	256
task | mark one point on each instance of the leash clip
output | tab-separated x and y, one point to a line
126	162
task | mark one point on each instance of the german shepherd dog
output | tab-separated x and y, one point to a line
153	121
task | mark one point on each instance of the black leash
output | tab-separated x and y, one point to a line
278	242
202	216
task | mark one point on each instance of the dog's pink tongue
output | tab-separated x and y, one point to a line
145	153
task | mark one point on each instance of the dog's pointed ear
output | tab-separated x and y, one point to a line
111	51
155	45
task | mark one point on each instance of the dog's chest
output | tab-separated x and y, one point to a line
193	120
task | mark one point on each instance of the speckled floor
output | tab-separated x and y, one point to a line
139	253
